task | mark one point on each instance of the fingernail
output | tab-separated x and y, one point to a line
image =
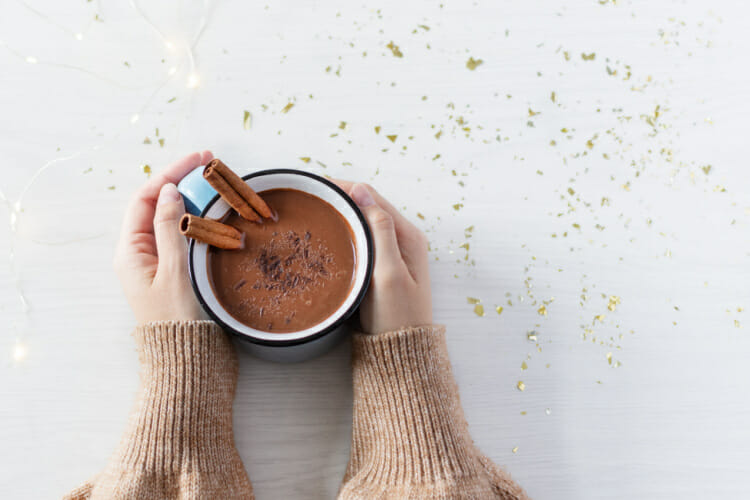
362	196
169	194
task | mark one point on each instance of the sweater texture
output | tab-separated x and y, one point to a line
410	439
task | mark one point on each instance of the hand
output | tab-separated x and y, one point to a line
151	256
399	295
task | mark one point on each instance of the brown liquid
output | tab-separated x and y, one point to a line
292	273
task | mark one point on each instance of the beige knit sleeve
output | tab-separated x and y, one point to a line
179	442
410	438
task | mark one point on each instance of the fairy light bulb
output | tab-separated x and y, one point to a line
19	352
193	81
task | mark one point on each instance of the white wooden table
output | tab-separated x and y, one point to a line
619	174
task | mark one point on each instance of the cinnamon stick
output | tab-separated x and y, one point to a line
235	191
211	232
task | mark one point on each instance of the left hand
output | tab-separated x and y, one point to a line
151	256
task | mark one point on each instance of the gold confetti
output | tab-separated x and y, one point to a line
737	323
515	449
499	309
458	206
524	366
479	310
161	143
553	97
542	310
305	159
473	300
286	108
419	215
533	113
473	64
146	169
392	138
706	169
247	120
342	125
171	100
111	188
394	48
599	317
614	301
377	129
588	57
531	336
609	358
438	134
521	386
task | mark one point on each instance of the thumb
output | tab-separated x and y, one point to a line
171	246
388	260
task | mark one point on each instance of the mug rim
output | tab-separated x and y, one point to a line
336	324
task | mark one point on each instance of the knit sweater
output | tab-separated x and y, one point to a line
409	436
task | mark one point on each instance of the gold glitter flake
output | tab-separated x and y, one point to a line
614	301
473	300
524	366
609	358
146	141
392	138
394	48
542	310
458	206
146	169
479	310
286	108
247	120
342	125
473	64
161	143
515	449
599	318
533	113
499	309
377	129
588	57
419	215
531	336
306	159
521	386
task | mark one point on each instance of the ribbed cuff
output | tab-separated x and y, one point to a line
183	417
408	422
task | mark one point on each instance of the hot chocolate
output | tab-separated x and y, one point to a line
294	271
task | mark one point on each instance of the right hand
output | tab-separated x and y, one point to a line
399	295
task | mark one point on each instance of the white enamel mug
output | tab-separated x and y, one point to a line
201	199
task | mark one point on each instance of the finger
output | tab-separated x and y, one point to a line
171	245
388	260
411	240
140	214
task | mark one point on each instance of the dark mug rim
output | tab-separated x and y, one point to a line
336	324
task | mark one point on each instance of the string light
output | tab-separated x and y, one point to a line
19	351
193	81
